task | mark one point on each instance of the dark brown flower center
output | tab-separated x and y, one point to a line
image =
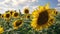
55	12
16	14
28	16
7	15
18	23
26	11
0	14
51	20
43	18
11	12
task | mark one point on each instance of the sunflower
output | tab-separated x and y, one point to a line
1	30
11	12
26	11
17	24
7	16
28	16
15	15
42	18
2	15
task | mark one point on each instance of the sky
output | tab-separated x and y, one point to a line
31	4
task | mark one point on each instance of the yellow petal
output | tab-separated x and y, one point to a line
40	8
47	6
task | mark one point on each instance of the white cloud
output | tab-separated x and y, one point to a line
34	7
17	2
58	0
22	1
0	8
58	4
25	7
6	1
57	8
13	4
34	1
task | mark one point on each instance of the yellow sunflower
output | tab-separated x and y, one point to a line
7	16
15	15
17	24
1	30
11	12
26	11
42	18
28	16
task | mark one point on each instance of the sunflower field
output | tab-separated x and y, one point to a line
43	20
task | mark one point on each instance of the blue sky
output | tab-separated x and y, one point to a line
21	4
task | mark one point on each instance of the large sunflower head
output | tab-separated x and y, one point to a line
26	11
42	19
17	24
15	15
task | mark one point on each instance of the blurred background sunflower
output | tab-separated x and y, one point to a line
26	14
11	12
7	16
15	15
26	11
17	24
2	15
